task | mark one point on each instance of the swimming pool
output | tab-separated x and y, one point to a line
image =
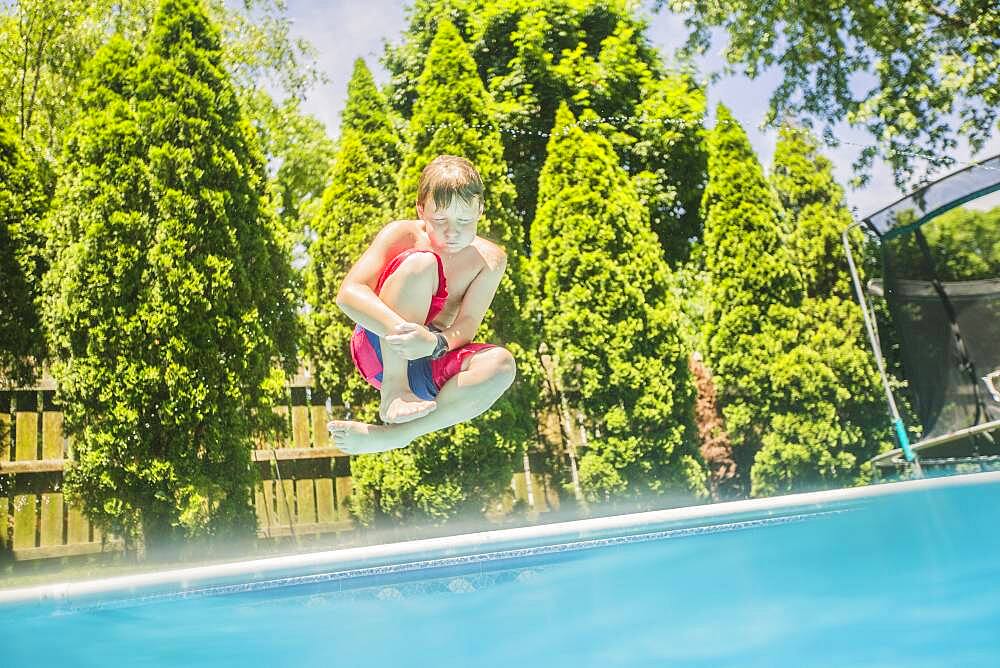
889	575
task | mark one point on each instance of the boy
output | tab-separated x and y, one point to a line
418	294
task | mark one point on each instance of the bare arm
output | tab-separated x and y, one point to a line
357	297
477	300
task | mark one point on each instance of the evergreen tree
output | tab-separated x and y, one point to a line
367	113
459	469
799	391
826	414
611	322
356	204
168	301
814	204
750	272
668	160
22	203
592	54
839	423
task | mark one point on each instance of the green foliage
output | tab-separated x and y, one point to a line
964	243
798	388
750	273
460	469
298	143
46	44
817	214
669	160
601	285
356	204
591	54
929	63
745	251
22	203
168	302
825	414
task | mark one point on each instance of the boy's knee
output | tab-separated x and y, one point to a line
418	264
504	363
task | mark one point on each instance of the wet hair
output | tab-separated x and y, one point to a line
446	176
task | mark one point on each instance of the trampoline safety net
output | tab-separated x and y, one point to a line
940	251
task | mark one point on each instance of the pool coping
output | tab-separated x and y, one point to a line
450	547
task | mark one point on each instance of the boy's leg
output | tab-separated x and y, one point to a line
407	291
485	376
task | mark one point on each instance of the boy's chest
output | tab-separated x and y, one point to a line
459	272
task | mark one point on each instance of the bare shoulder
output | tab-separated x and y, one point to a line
399	230
494	256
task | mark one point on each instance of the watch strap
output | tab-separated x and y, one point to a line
442	346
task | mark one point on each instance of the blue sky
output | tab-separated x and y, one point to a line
343	30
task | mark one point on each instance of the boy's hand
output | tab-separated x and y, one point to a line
411	341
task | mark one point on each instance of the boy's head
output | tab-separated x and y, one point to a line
450	201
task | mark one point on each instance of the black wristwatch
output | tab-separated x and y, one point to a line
441	348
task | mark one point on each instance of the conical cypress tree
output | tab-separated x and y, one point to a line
798	391
669	161
22	203
827	414
750	271
367	114
611	323
589	53
169	296
357	202
814	203
462	467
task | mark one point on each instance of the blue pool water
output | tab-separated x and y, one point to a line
910	579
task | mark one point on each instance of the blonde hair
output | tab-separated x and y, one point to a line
446	176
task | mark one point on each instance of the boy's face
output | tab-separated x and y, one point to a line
451	228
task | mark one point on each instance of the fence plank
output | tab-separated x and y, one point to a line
538	493
259	508
286	500
300	418
77	527
282	440
268	487
520	486
26	425
56	551
322	527
52	520
305	501
52	428
5	430
25	520
3	522
326	507
321	437
344	487
285	454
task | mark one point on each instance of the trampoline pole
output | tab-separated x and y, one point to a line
897	421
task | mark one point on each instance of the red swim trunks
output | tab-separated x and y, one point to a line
426	376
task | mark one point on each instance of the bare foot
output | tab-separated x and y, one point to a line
398	407
357	438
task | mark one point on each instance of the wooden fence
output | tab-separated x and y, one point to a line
305	489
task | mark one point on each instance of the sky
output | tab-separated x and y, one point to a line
343	30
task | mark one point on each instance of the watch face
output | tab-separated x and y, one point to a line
442	347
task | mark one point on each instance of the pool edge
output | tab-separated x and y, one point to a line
471	543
